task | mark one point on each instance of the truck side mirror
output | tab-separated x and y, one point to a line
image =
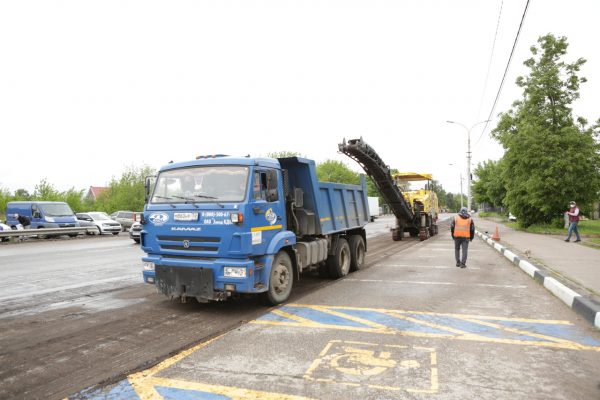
148	183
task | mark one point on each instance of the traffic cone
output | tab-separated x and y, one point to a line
496	235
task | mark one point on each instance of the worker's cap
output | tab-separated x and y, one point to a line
463	211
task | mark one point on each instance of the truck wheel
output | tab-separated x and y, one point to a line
397	234
339	262
357	252
281	279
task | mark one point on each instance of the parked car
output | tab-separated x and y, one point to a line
4	227
125	218
102	222
135	231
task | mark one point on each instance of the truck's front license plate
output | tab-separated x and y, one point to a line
187	216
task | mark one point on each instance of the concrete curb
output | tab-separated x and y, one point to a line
580	304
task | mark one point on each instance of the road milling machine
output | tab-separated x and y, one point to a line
416	211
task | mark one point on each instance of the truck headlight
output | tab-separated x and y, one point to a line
148	266
50	219
235	272
237	218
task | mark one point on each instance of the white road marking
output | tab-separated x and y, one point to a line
434	283
419	266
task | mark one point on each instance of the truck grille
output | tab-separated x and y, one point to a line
192	239
194	244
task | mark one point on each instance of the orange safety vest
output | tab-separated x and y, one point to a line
462	227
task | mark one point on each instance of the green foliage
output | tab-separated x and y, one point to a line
45	191
125	193
336	171
283	154
549	157
489	187
21	195
5	197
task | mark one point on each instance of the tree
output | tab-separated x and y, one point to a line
549	157
45	191
125	193
283	154
22	194
336	171
489	187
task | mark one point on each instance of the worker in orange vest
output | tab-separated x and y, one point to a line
462	230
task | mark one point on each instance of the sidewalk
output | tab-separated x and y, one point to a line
576	265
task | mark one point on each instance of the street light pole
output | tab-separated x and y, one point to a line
468	157
461	191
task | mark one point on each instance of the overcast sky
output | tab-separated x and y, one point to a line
90	88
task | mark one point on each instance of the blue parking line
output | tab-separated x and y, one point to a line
185	394
321	317
392	322
473	328
567	332
122	391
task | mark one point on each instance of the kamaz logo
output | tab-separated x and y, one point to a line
158	218
186	229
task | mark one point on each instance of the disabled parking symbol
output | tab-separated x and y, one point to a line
376	366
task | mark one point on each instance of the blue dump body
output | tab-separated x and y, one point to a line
338	207
213	226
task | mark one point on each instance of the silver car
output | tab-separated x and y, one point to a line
125	218
135	232
102	222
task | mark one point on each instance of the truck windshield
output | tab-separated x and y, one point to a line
57	210
205	184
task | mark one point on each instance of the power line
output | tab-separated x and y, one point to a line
487	75
505	71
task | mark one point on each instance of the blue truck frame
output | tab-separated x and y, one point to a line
286	223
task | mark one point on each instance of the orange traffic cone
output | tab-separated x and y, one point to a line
496	235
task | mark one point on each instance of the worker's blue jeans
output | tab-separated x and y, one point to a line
573	228
458	244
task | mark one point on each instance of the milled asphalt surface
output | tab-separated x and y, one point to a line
412	325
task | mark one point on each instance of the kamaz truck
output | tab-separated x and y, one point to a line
220	226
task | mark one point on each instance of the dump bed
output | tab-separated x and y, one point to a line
337	207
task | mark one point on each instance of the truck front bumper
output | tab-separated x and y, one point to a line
204	279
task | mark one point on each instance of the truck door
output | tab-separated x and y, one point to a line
268	209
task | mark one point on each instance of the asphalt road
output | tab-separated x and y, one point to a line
410	325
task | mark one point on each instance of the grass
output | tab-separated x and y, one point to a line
588	228
496	215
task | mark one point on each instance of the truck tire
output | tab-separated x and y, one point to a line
397	234
281	279
339	262
357	252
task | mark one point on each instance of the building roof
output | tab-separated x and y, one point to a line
95	191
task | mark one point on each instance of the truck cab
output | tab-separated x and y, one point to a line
220	225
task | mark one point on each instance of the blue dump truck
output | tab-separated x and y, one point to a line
218	226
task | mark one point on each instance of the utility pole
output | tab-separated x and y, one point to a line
468	158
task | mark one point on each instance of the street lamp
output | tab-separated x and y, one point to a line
468	157
461	191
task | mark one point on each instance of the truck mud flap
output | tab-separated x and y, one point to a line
186	281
